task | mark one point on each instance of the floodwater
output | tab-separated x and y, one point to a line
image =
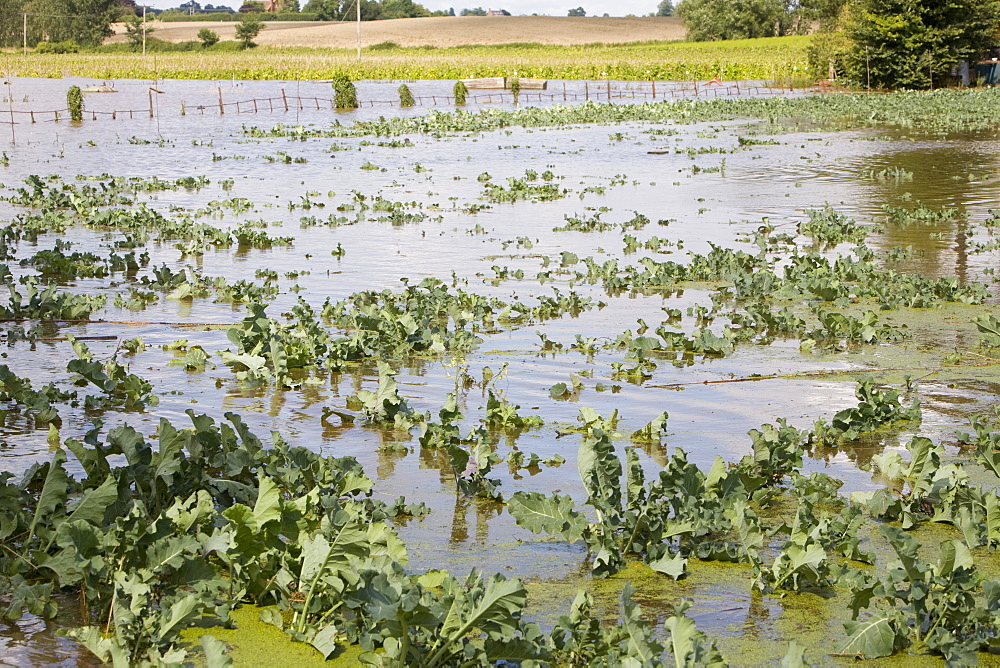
607	169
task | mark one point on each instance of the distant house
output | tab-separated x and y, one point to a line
272	6
497	12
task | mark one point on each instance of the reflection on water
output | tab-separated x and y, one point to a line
614	177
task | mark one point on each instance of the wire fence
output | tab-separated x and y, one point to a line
607	92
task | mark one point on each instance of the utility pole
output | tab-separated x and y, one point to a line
358	5
24	33
144	30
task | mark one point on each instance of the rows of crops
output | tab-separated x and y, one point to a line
739	60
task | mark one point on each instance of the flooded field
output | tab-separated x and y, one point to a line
486	319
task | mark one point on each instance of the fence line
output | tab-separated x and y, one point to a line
285	103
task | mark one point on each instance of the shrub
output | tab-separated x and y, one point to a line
69	46
460	90
345	93
74	100
248	28
405	96
208	37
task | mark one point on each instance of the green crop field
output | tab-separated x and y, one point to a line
744	59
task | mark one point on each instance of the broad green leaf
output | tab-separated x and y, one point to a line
324	640
171	551
600	471
268	505
688	645
178	614
673	565
954	554
432	579
497	609
95	641
272	615
22	597
638	643
92	507
53	495
870	639
988	324
653	430
552	514
167	460
921	457
906	547
216	652
635	481
989	456
795	657
992	503
93	459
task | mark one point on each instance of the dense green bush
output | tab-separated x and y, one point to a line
74	100
345	94
707	20
161	46
915	43
69	46
460	91
208	37
405	96
826	48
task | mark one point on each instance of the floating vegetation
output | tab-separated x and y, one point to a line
385	362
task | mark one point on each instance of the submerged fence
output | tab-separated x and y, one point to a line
599	91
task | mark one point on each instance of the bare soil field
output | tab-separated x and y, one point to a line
438	31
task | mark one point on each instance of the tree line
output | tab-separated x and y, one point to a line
873	43
84	22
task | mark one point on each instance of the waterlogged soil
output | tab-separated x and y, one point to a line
702	187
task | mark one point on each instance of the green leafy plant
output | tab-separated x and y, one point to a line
405	96
209	37
248	27
945	606
345	94
460	91
74	100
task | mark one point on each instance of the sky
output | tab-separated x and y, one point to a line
515	7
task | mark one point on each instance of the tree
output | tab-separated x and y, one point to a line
579	11
403	9
208	37
665	8
248	28
475	11
740	19
915	43
86	22
371	10
135	33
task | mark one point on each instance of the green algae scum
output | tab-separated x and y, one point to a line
695	383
